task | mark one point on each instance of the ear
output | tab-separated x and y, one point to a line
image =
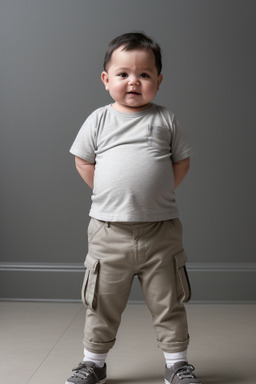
159	81
105	79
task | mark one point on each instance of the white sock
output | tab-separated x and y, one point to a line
96	358
172	358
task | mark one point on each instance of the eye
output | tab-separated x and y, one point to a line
144	75
123	75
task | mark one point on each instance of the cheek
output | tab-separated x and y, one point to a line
117	87
151	88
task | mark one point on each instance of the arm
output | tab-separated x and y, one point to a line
86	170
180	170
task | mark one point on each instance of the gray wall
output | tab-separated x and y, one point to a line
51	57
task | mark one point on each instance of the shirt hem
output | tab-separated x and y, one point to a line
82	155
182	156
130	217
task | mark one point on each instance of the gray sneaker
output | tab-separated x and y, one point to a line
88	373
181	373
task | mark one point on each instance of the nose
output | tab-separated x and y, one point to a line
133	81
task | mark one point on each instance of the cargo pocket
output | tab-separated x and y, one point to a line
90	281
183	285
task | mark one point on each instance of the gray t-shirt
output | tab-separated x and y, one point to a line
133	155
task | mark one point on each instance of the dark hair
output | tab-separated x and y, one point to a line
134	40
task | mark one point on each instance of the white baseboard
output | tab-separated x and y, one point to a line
211	282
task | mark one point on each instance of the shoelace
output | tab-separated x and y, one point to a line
185	372
82	371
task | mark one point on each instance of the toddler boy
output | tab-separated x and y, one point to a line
133	155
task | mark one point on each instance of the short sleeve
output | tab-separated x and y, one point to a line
84	145
180	147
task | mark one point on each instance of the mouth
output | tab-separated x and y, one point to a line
134	93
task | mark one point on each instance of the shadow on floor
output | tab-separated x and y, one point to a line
133	380
206	379
216	378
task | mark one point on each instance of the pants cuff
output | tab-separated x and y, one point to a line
96	347
174	347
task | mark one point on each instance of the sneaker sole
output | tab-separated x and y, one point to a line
103	381
167	382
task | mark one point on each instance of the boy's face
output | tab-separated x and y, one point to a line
132	79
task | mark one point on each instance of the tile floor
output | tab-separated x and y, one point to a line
41	342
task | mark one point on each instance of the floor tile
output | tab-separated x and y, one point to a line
43	341
29	332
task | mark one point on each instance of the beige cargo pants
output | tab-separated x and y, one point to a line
119	251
